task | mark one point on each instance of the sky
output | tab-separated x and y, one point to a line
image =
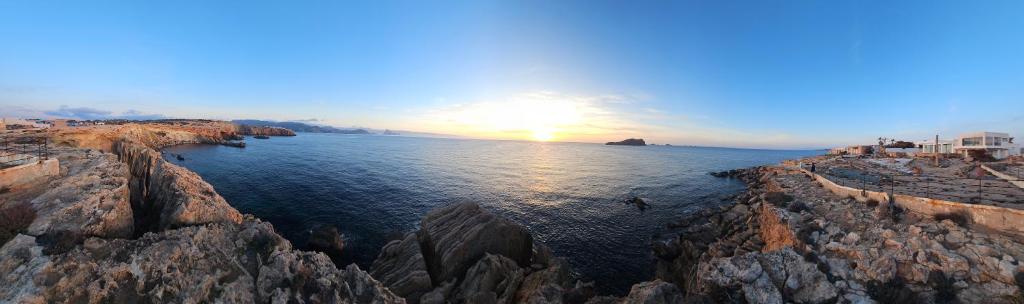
760	74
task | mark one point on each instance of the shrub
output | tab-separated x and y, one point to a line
15	219
797	207
893	291
959	218
943	286
58	242
777	198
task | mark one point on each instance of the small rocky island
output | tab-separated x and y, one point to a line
628	142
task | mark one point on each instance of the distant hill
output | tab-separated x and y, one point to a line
300	127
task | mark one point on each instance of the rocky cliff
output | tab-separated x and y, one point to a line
123	225
263	130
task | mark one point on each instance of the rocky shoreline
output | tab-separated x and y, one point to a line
123	225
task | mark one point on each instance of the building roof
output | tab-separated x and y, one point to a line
984	134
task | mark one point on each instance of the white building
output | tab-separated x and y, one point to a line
24	123
928	146
995	144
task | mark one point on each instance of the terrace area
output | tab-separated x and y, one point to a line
952	179
24	157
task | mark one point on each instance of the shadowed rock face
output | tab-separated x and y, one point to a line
165	196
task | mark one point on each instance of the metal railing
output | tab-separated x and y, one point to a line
1016	171
975	190
16	149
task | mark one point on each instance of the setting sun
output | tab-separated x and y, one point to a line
538	117
543	135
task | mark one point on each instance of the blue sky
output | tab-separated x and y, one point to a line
777	74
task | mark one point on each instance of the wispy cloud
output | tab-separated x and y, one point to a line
80	113
87	113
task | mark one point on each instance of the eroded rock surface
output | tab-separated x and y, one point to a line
789	240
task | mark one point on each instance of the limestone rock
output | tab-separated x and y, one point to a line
20	261
458	235
763	277
653	292
401	267
90	199
493	274
543	284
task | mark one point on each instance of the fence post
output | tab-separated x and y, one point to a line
979	190
927	187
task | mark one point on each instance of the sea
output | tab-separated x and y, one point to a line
570	196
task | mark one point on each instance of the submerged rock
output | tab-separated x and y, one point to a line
638	202
327	239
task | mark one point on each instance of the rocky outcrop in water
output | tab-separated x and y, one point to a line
327	239
628	142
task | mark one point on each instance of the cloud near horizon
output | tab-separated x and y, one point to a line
87	113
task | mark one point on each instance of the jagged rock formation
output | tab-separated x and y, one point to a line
264	130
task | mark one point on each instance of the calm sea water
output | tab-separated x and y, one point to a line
569	195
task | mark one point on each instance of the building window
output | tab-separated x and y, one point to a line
971	141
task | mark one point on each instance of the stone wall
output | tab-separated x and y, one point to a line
998	218
17	175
